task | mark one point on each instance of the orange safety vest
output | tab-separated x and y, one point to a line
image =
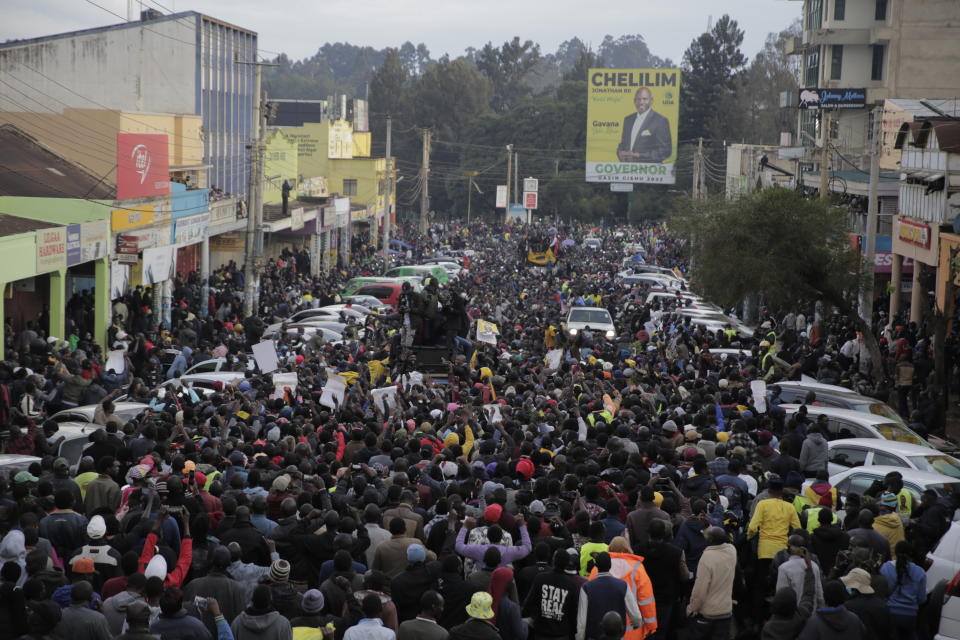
629	568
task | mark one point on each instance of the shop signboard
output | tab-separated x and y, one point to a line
191	230
915	233
296	218
128	248
132	217
632	120
51	249
818	98
143	168
94	237
917	240
227	242
74	244
315	187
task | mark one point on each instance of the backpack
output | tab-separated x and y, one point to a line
736	498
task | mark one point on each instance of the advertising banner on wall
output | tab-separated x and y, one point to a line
632	117
191	230
51	249
74	244
158	264
132	217
94	237
143	167
819	99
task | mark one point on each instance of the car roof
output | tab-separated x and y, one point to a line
850	414
17	458
911	475
588	309
212	376
886	445
818	386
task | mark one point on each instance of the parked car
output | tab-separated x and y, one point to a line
354	284
869	480
592	318
369	302
592	242
13	463
865	452
657	280
83	415
221	364
723	354
686	300
846	423
829	395
386	292
420	271
332	331
944	563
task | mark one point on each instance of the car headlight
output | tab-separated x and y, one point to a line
611	333
573	332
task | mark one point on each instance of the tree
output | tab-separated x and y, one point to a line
792	250
507	68
711	65
630	52
770	73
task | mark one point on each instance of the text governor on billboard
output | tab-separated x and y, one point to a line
632	117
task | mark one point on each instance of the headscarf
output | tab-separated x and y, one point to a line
499	582
13	548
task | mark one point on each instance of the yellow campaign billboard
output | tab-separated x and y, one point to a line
632	117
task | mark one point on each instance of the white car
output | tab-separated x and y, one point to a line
860	452
653	280
83	415
688	301
219	364
592	242
375	305
14	463
863	480
593	318
846	423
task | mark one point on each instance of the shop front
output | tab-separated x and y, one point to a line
918	241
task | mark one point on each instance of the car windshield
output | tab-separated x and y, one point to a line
898	433
946	489
937	463
883	410
590	316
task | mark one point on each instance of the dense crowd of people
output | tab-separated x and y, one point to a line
543	485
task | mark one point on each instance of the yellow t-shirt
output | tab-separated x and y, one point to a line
773	520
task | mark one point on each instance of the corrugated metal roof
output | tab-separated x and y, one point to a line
12	225
27	168
951	107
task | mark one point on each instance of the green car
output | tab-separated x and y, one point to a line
354	284
421	271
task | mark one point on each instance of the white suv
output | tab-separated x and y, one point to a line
593	318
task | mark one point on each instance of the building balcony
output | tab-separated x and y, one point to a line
819	37
794	46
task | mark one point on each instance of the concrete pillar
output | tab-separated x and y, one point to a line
204	276
102	309
896	269
916	294
166	292
58	304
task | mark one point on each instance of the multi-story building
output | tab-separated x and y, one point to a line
183	63
891	48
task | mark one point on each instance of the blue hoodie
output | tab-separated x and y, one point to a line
180	363
905	599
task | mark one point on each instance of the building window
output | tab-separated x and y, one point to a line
814	14
839	9
381	187
349	187
812	76
876	67
836	61
880	10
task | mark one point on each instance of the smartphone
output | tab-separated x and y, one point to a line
200	603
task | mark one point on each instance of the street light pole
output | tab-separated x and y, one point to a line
389	191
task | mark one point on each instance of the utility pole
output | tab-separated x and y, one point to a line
509	173
250	268
425	182
389	190
824	154
698	171
516	177
866	294
471	175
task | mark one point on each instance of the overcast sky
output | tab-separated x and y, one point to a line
299	27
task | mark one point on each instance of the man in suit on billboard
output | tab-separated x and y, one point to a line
646	134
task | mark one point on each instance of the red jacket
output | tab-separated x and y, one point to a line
176	576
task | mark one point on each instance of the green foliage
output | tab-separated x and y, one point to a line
775	242
507	68
711	65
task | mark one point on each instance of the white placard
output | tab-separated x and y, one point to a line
266	356
158	264
492	412
384	393
333	391
759	390
411	379
281	380
487	332
119	277
115	361
554	356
